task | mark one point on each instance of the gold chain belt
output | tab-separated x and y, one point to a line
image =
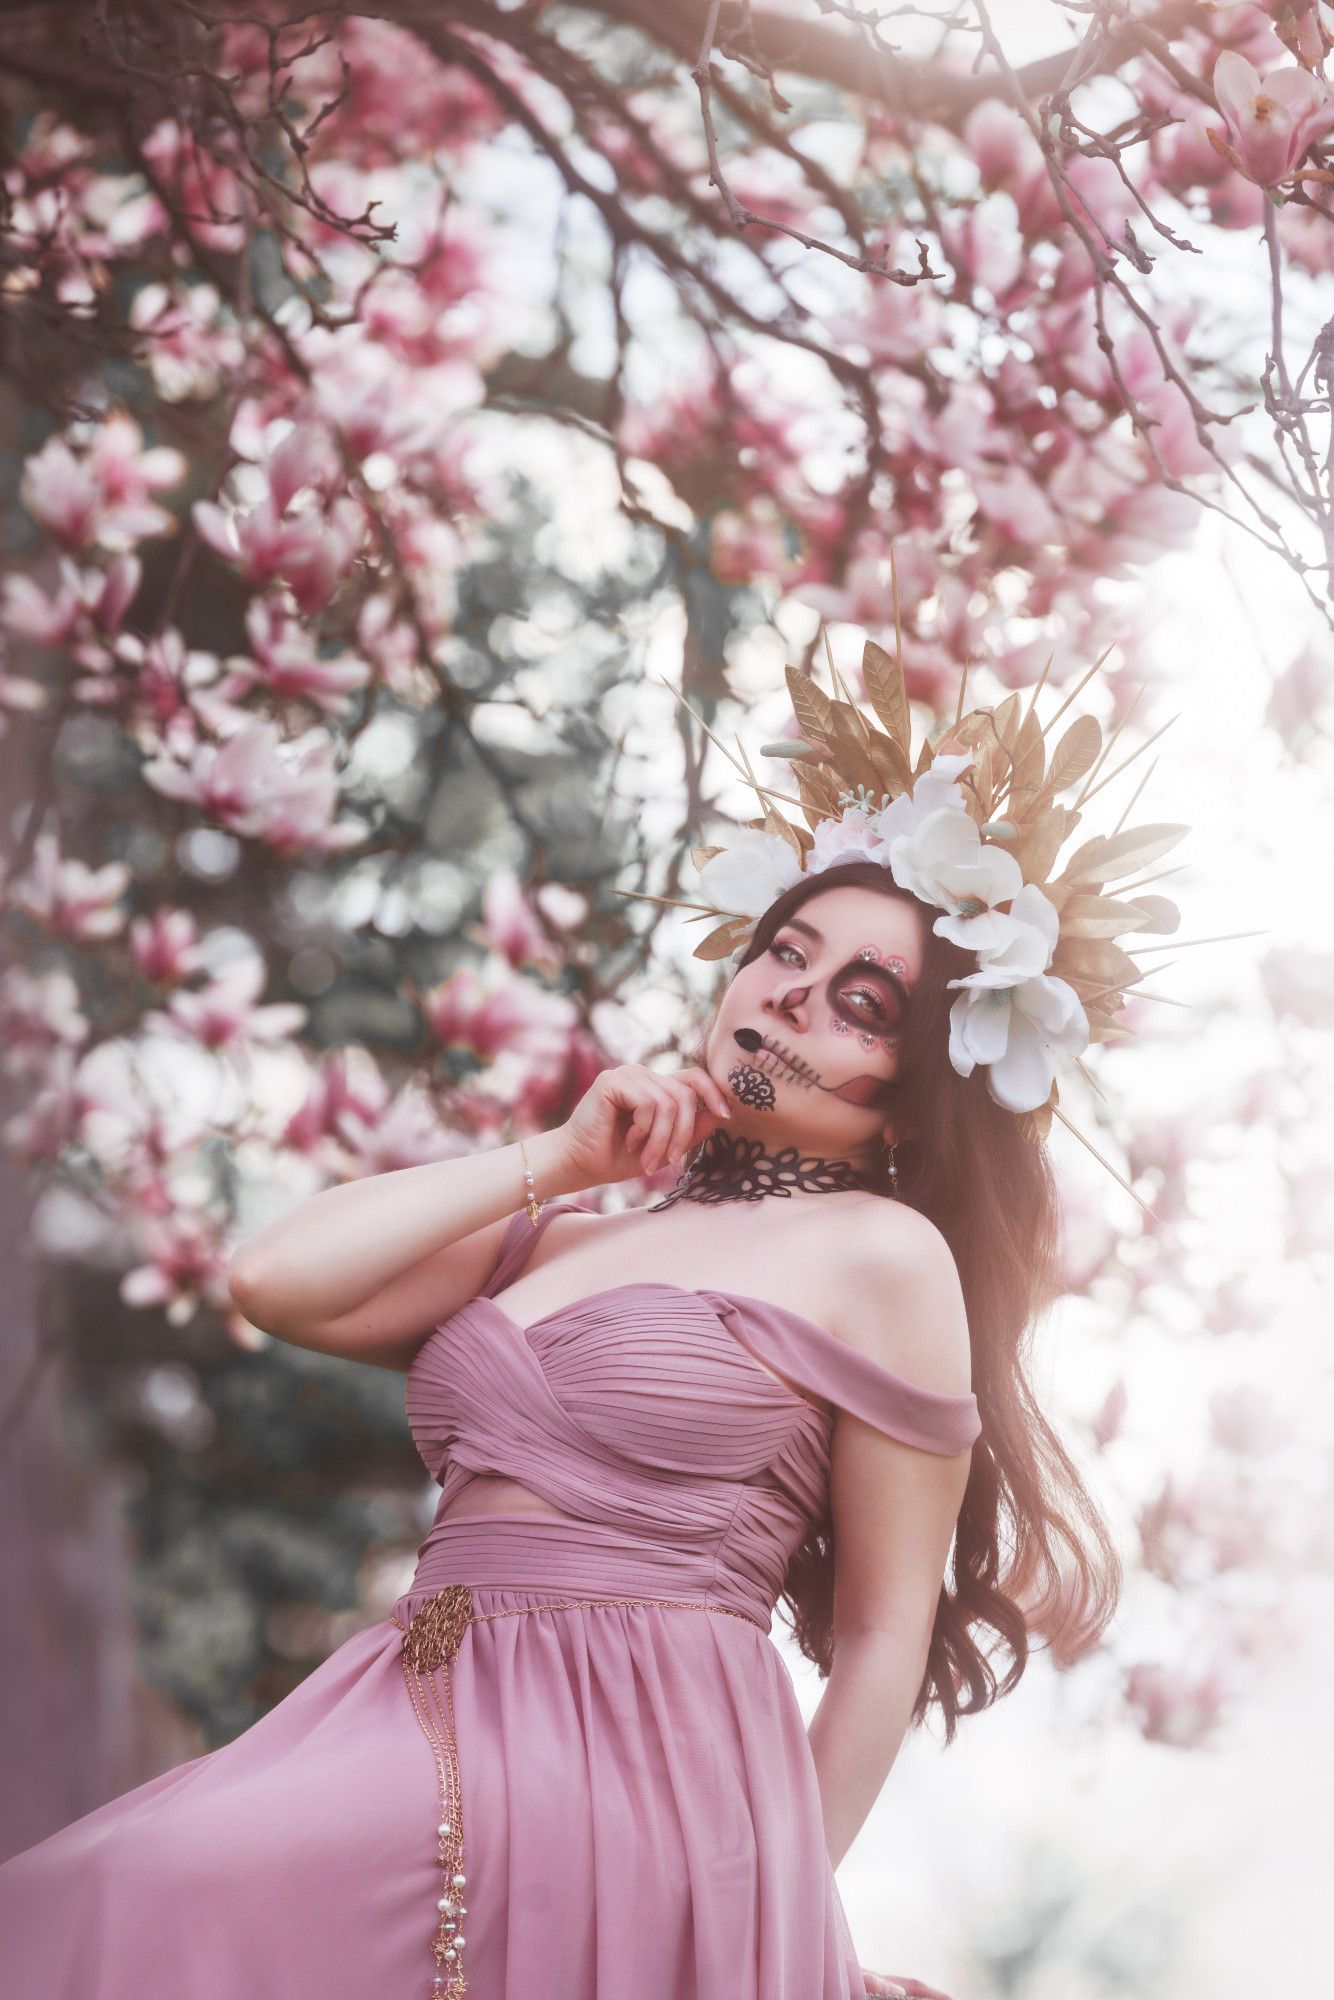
432	1637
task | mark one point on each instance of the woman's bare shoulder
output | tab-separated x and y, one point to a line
897	1295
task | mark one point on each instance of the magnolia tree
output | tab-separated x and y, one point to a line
399	388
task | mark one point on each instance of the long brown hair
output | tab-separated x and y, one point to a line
1033	1556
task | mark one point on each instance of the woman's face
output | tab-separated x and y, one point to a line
807	1035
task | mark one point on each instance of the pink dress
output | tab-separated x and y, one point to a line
640	1807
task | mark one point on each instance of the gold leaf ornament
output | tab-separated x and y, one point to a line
887	694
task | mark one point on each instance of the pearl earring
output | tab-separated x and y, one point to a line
890	1168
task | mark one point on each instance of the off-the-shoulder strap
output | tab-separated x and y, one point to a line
823	1365
516	1244
927	1418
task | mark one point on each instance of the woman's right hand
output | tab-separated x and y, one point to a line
633	1120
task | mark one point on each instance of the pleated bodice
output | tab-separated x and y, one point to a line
648	1413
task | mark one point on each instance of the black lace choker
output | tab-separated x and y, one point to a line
728	1168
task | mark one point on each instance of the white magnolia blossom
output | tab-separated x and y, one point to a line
1012	1015
945	862
750	874
850	838
861	835
935	788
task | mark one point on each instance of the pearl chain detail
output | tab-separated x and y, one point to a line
432	1638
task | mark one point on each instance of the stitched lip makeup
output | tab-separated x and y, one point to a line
762	1045
864	1090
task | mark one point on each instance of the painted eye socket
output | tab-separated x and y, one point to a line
879	1018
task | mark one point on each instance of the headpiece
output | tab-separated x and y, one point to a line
973	827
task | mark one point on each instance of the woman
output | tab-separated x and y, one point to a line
573	1765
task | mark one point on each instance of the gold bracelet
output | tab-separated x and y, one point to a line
534	1205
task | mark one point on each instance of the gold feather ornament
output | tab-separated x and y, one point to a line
973	824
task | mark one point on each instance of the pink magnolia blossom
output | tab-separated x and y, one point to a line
484	1017
200	185
985	247
1175	1704
865	595
1008	157
746	545
223	1014
555	1081
1307	238
37	1134
1011	500
1271	120
509	925
62	494
165	946
39	1013
344	1102
311	552
172	691
186	1265
1110	1414
257	783
190	345
101	497
306	458
86	605
129	472
69	899
287	665
384	100
1088	1239
410	1132
1298	694
393	648
19	696
377	402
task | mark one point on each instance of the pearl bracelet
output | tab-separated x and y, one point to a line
534	1205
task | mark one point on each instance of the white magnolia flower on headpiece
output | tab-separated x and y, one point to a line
851	837
750	874
945	862
1012	1015
860	833
935	788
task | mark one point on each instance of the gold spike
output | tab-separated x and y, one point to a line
1180	944
898	627
1090	1078
841	688
700	720
676	903
742	769
1126	762
1052	720
1126	985
1037	690
762	791
1146	1206
1108	745
958	706
1129	888
1133	796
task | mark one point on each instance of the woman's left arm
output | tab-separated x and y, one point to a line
893	1509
